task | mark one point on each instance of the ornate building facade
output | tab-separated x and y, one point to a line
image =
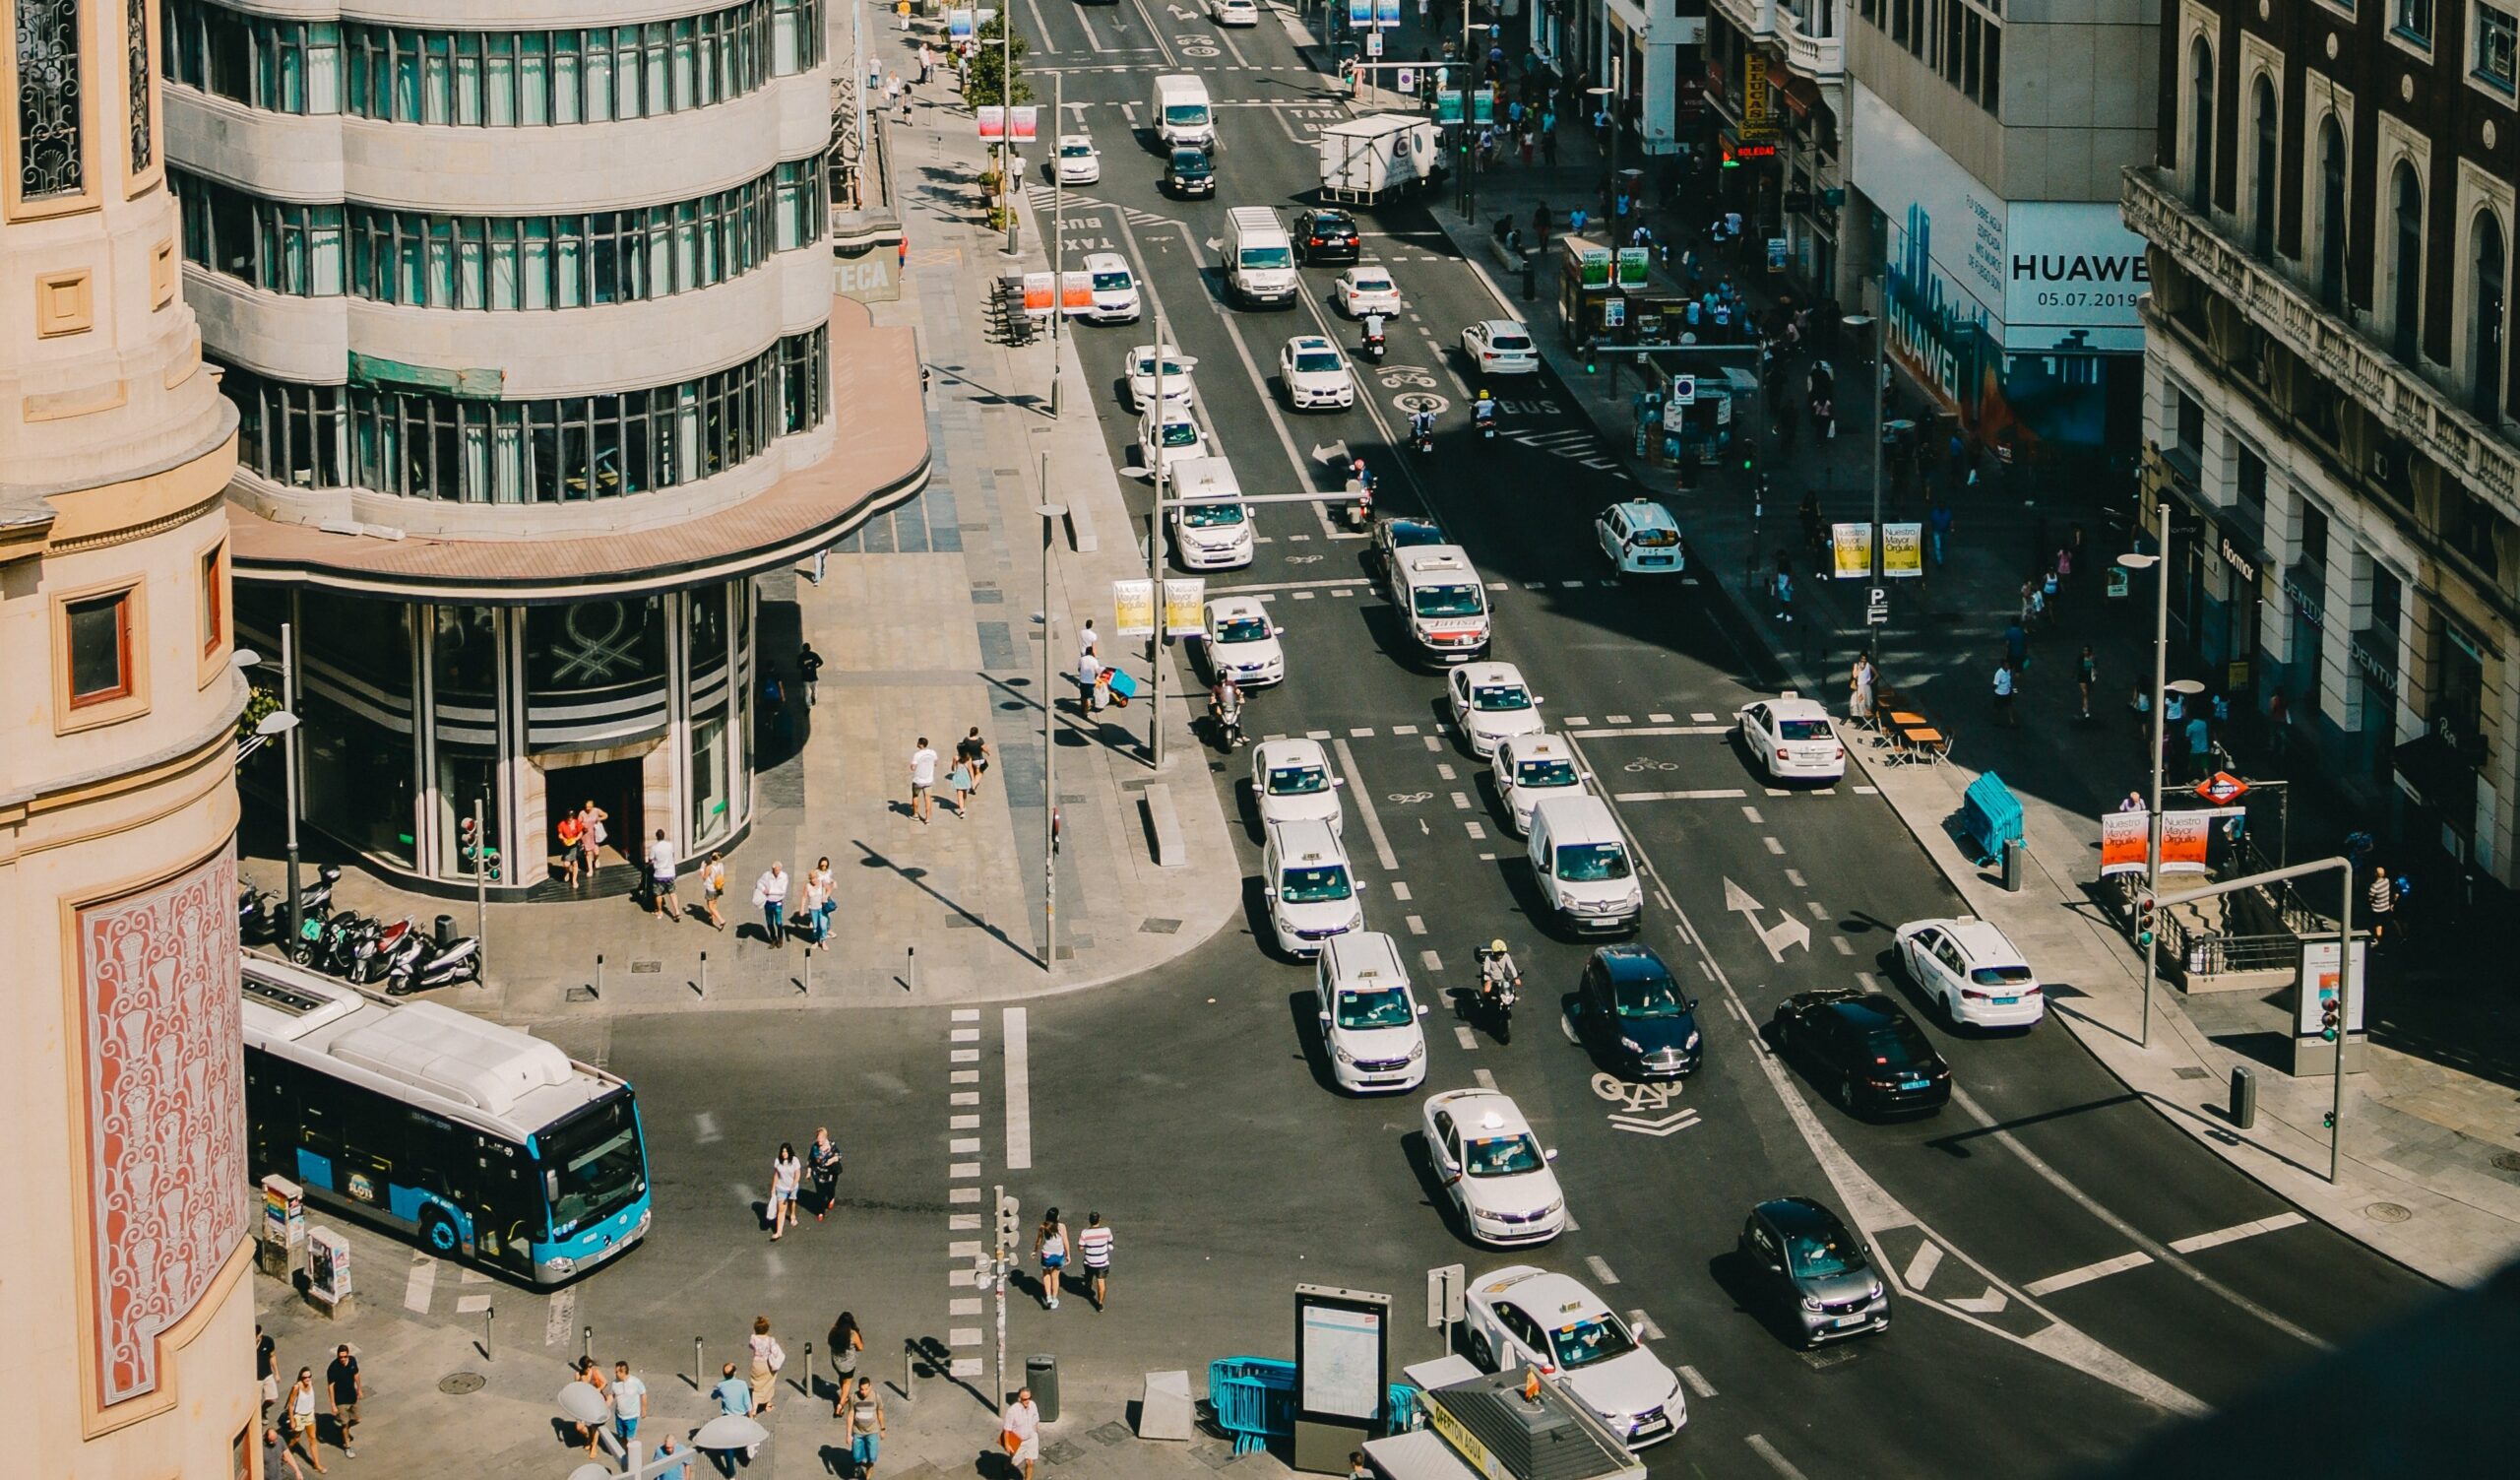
127	1297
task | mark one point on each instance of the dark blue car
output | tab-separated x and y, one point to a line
1632	1015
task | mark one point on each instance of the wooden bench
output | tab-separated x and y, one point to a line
1164	826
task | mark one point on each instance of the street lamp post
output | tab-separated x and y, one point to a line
1006	136
1155	564
1059	277
1880	377
1470	86
1052	514
2160	557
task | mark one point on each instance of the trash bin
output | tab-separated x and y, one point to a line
2243	1098
1531	278
1042	1375
2013	852
445	931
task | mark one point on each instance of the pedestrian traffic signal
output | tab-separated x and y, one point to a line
1730	161
1010	1226
1592	360
2144	921
2331	1016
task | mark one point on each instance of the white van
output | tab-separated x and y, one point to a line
1210	525
1259	257
1369	1016
1182	115
1440	600
1582	862
1311	889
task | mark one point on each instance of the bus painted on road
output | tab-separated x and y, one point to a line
484	1142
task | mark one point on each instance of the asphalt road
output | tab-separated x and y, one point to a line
1195	1109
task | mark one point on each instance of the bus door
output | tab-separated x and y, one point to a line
505	1205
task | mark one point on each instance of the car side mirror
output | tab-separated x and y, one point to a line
1538	699
1325	1020
1268	891
1336	781
1422	1009
1277	631
1692	1006
1550	1155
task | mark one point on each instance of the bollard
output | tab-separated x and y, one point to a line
2243	1109
909	1371
696	1384
704	973
909	981
490	1314
598	974
807	985
806	1386
586	1343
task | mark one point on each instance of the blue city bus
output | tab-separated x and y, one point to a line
484	1142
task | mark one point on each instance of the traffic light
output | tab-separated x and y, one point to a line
1592	360
1010	1224
2331	1015
1730	161
2144	922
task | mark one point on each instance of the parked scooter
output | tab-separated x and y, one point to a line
259	915
376	949
424	964
328	942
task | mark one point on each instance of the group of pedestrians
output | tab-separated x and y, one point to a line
972	759
1090	1250
297	1431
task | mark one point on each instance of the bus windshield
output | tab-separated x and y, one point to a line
593	1165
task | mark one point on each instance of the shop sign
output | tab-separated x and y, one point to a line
2304	603
2382	672
1757	122
2241	565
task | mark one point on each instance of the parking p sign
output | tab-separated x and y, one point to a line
1684	390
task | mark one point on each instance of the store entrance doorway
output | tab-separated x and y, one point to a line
614	786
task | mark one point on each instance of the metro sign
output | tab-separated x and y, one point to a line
2222	787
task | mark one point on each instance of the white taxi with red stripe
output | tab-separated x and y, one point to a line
1442	600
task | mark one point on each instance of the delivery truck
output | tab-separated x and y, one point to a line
1379	154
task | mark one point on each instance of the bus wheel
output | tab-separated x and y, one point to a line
437	1231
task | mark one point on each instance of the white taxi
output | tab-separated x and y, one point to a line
1291	782
1366	288
1078	162
1115	290
1241	643
1491	703
1973	971
1211	524
1177	387
1501	347
1530	768
1234	12
1315	374
1369	1016
1173	437
1311	889
1793	739
1442	600
1493	1169
1521	1315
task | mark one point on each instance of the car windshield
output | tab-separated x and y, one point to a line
1306	884
1297	781
1180	433
1242	628
1656	539
1820	1252
2002	976
1502	1156
1076	151
1376	1007
1532	775
1509	341
1501	696
1207	516
1111	282
1369	284
1317	361
593	1165
1189	161
1409	531
1595	1338
1802	730
1265	257
1185	112
1899	1046
1592	862
1176	375
1647	997
1448	601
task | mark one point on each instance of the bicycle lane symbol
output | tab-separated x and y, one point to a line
1647	763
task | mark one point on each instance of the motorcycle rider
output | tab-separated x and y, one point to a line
1421	426
1499	979
1373	336
1483	413
1225	705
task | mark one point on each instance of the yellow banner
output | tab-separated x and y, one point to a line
1755	120
1851	550
1903	551
1182	600
1132	608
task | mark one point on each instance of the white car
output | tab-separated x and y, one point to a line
1369	1016
1178	436
1291	782
1530	768
1212	534
1311	889
1177	387
1315	374
1243	642
1112	290
1501	347
1491	702
1792	739
1975	972
1521	1315
1234	12
1493	1168
1078	161
1366	288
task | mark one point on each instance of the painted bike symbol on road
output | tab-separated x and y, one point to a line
1196	44
1302	559
1643	763
1409	799
1396	376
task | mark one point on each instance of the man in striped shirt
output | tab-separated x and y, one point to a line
1093	1245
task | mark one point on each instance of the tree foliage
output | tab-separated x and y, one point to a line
988	68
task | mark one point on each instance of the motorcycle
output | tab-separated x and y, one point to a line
425	964
1229	723
1422	435
258	914
326	941
1361	508
374	954
1484	414
1500	988
1372	347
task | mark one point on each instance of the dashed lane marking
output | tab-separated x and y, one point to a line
1400	890
961	1194
1417	924
1818	910
422	1285
1750	814
1430	960
1776	1462
1839	941
1462	1036
1717	793
2099	1269
1695	1378
967	1014
1646	730
1485	1080
964	1146
1702	716
1600	1269
966	1035
1773	846
2237	1232
965	1304
1793	876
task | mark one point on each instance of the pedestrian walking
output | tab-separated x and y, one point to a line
786	1171
277	1463
591	820
2017	644
769	896
1783	586
809	670
2379	901
660	879
592	1376
1050	1246
2200	747
264	1348
1548	141
847	1341
1020	1434
2279	725
922	780
866	1429
666	1448
1859	682
301	1418
818	906
1094	1247
2086	674
341	1385
572	834
973	751
735	1400
823	1164
927	63
2004	694
768	1356
961	778
629	1404
1102	690
1939	521
713	887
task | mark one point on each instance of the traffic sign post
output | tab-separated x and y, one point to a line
1447	1299
1876	607
1684	388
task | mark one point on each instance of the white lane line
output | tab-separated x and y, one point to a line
967	1014
1793	876
1921	1268
964	1146
2087	1273
1476	831
1461	802
1774	846
1818	910
963	1335
1430	960
1776	1462
1750	814
1444	769
1652	730
963	1097
964	1122
1695	1378
965	1076
423	1284
1867	791
1370	734
1485	1080
1600	1269
1364	796
961	1194
962	1251
1575	720
1462	1036
968	1367
963	1305
1701	717
963	1171
1839	941
966	1035
1617	719
703	1128
1316	734
1019	1092
1417	924
1717	793
964	1055
1433	744
963	1222
2237	1232
1400	890
1404	730
1657	719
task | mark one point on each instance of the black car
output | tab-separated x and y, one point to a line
1634	1018
1190	171
1862	1048
1398	533
1325	237
1817	1271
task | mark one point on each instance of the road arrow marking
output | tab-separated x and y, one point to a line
1921	1268
1178	14
1787	930
1335	454
1984	1305
1677	1121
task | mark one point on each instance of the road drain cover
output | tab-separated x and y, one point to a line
460	1382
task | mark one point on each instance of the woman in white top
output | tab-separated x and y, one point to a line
821	900
302	1417
785	1171
1049	1246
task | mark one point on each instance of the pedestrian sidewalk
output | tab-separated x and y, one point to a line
2431	1168
928	623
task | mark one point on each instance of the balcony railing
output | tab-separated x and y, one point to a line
1756	19
1806	49
2360	368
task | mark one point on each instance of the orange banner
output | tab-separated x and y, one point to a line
2121	843
2183	836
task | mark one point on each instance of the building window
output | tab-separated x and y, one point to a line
2267	126
2314	532
1992	95
143	143
2406	312
2250	485
2331	213
51	95
214	600
292	435
2189	426
2498	33
99	648
2485	331
2200	126
2412	19
2467	526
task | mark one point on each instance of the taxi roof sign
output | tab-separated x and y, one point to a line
2222	787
